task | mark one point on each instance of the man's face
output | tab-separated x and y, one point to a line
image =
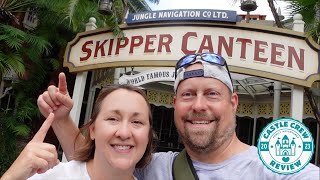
204	112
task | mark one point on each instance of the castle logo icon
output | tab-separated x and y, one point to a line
283	147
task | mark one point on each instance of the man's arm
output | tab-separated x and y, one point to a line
66	132
58	101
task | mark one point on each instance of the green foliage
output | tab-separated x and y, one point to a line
154	1
8	146
308	9
24	53
16	122
118	10
35	55
54	63
14	5
38	44
8	7
11	36
11	61
304	7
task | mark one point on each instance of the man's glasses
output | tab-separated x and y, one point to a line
208	57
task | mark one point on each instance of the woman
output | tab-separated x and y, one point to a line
118	138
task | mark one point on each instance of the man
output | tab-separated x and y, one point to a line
205	110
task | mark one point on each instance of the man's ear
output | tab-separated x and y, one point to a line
91	130
234	101
174	100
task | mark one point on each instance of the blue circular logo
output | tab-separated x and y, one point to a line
285	146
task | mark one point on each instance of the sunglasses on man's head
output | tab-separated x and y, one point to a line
208	57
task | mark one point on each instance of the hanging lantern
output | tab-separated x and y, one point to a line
105	7
248	5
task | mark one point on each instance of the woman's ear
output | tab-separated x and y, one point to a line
91	131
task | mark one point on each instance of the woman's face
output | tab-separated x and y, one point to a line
121	130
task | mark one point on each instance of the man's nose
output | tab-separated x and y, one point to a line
199	103
124	131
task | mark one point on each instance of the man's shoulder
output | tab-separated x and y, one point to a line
255	164
164	155
250	154
311	171
163	159
159	168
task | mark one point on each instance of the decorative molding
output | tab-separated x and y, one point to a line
307	109
266	109
103	77
160	98
285	109
108	81
244	109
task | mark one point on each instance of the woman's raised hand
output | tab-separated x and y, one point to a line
36	157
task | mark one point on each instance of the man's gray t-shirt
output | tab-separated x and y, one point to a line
243	166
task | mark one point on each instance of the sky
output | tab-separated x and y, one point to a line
263	6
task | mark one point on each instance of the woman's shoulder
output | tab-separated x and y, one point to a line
74	166
64	170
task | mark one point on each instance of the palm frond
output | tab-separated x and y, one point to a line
112	22
10	62
9	7
118	10
154	1
15	62
139	5
12	36
9	122
56	6
21	130
309	11
85	10
27	107
18	128
313	30
38	43
54	63
304	7
14	5
71	9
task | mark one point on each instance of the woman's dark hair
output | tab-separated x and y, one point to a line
86	151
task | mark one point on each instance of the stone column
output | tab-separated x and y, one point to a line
80	83
79	86
276	99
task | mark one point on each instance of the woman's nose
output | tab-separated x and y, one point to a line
124	131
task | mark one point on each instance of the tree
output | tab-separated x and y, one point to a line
8	7
36	54
310	11
25	53
120	7
275	13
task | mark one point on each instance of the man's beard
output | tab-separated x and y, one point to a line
208	139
